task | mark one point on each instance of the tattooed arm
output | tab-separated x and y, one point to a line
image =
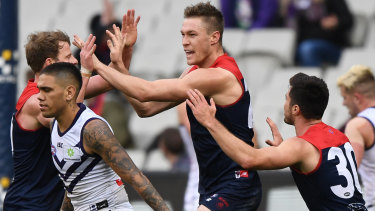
66	205
98	139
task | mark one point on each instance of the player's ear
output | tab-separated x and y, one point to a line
70	92
215	37
295	109
47	62
357	97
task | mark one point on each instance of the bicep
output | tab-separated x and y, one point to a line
356	139
209	81
352	131
287	154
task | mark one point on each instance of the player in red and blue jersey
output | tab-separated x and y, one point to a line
223	183
222	179
321	158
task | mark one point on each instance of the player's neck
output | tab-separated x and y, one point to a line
211	58
369	103
67	116
302	125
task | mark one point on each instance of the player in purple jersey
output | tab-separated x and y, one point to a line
35	185
320	157
357	88
86	150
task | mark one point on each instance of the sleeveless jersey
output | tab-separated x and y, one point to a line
35	185
333	184
91	183
217	172
367	168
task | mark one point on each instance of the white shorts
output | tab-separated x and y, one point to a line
117	202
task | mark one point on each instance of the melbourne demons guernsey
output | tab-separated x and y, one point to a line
367	168
217	172
333	184
35	184
90	183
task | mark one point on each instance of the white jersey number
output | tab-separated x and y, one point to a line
339	190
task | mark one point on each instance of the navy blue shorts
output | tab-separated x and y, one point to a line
226	202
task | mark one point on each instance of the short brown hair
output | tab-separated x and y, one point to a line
43	45
211	16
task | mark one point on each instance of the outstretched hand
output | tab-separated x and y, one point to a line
116	44
87	51
203	112
277	139
129	27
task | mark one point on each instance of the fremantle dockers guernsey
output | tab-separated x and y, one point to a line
89	181
367	168
217	172
333	184
35	184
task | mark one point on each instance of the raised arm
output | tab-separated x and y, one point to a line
129	27
98	139
96	84
87	65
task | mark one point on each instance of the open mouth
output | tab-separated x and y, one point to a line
189	53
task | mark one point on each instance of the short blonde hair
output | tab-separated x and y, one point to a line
360	79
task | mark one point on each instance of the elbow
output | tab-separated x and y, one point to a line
142	96
249	163
143	114
246	163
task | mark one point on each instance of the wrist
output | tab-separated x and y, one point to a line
210	124
85	72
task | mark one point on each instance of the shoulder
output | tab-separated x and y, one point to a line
360	129
215	73
31	106
95	126
95	134
28	116
296	142
299	146
359	123
306	155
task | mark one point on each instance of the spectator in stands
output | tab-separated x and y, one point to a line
250	14
357	88
322	30
172	146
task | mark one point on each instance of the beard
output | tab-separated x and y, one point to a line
288	121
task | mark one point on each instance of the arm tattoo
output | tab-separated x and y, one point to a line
66	204
98	138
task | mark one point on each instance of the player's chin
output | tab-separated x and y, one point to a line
47	114
190	62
